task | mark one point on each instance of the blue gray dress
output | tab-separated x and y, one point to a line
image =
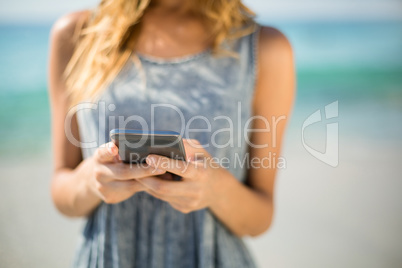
176	94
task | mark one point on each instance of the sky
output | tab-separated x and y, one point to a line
48	10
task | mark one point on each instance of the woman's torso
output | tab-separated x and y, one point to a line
198	92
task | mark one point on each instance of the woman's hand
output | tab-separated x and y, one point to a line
114	181
201	178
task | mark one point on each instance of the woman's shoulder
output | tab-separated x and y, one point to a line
62	45
274	48
272	41
65	27
276	63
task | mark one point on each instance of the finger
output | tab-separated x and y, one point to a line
129	184
122	171
179	167
194	150
169	199
106	152
165	188
165	176
176	203
192	142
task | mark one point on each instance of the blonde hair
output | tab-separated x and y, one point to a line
106	40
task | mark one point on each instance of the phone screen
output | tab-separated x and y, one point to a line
136	145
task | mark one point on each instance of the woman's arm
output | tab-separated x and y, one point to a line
68	187
249	211
245	210
79	186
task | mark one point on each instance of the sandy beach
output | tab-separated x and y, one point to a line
349	216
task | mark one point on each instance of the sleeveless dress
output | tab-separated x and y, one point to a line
177	95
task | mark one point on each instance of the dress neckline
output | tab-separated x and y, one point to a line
173	60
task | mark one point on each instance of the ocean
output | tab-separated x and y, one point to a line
357	63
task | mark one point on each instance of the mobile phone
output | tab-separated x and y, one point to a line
135	145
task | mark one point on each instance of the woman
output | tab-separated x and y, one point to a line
203	66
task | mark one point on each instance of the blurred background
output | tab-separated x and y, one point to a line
350	215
